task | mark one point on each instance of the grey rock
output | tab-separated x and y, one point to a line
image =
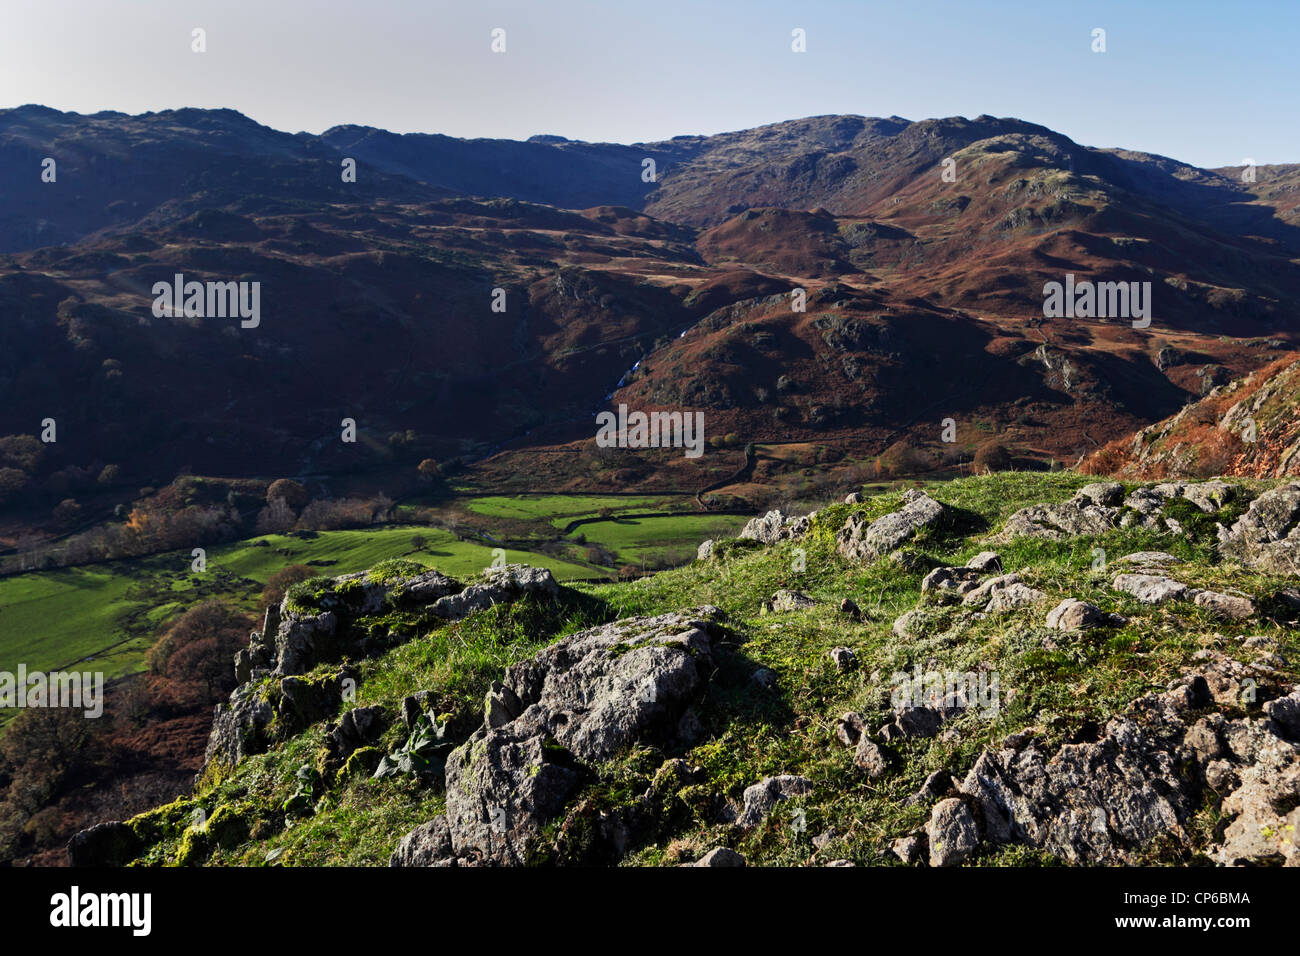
869	758
960	580
844	658
301	639
860	540
1151	588
1267	536
849	728
429	844
584	698
762	797
720	856
1074	615
910	849
359	727
775	526
501	586
1149	559
986	562
1210	496
500	706
1013	596
786	600
981	595
1108	493
1090	802
104	844
951	832
1229	606
705	551
239	726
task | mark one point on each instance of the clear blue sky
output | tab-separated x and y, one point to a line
1209	83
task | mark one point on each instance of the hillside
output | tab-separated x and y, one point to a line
1248	427
379	298
1128	696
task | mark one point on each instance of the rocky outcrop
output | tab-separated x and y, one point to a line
1267	536
584	698
296	638
1100	800
1096	508
775	526
863	540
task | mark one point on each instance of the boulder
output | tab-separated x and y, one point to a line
762	797
986	562
1151	588
869	758
1013	596
1075	615
1267	536
501	586
584	698
429	844
720	856
786	600
951	833
1231	607
861	540
844	658
104	844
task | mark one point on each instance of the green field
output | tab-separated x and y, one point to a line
559	510
110	613
658	539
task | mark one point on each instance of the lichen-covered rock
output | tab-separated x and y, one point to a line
1267	536
960	580
775	526
844	657
761	799
1151	588
719	856
951	833
986	562
1090	802
980	596
429	844
1075	615
1231	607
502	585
869	758
861	540
787	600
1013	596
302	640
239	726
584	698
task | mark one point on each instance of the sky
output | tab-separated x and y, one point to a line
1209	83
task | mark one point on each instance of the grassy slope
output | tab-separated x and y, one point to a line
751	732
52	618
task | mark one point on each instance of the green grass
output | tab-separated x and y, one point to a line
107	615
1055	686
559	510
659	539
